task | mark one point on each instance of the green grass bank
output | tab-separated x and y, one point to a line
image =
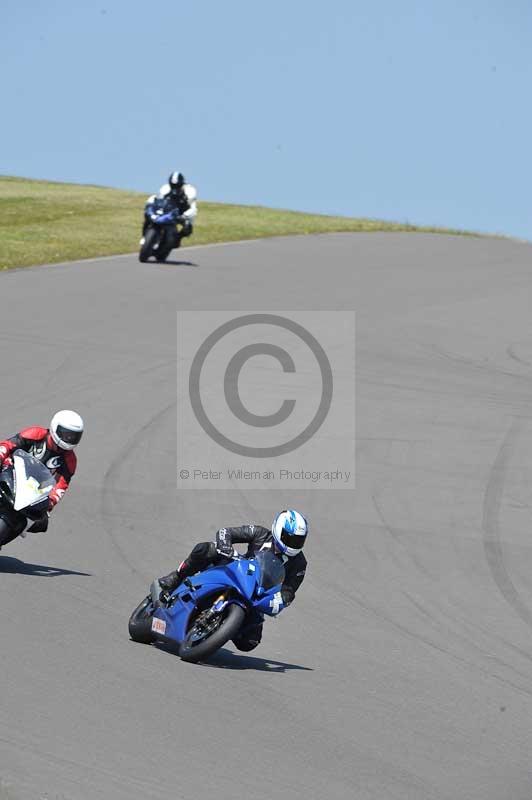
42	222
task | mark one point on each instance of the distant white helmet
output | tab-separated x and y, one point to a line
66	429
289	530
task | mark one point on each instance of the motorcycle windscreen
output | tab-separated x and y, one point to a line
33	481
271	570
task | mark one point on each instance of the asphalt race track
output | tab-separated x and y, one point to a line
404	669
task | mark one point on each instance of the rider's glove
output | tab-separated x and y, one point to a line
41	525
4	458
224	545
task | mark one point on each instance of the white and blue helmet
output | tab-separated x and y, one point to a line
289	530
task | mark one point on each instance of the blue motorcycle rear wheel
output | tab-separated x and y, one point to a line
200	644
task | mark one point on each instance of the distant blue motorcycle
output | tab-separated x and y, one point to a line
160	235
210	608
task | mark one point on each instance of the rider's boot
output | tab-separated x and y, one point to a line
170	582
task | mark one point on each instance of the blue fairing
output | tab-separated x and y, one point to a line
168	217
165	219
243	577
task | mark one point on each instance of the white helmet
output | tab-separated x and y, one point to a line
289	530
66	429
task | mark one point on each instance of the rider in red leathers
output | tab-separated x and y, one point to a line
54	447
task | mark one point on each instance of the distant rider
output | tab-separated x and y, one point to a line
286	539
180	196
54	447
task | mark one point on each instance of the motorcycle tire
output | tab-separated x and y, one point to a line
230	625
8	533
162	254
140	623
150	239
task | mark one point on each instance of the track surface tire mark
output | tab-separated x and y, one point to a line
490	521
109	502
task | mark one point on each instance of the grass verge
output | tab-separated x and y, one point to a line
43	222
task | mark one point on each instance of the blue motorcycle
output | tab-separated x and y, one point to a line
160	235
211	607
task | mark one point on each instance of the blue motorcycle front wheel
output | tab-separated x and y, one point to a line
139	625
151	239
204	640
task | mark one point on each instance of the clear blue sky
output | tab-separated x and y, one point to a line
417	111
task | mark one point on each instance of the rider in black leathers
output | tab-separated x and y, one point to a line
284	539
